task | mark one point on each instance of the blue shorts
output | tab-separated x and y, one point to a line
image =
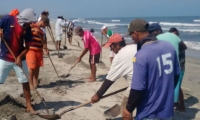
5	68
178	86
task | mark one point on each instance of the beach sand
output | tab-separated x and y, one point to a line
63	93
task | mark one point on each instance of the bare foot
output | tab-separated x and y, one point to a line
31	110
92	80
89	77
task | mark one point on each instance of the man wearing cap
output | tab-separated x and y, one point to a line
121	66
60	23
16	33
178	93
156	71
91	44
155	29
35	54
107	33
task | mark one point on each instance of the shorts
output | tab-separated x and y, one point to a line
69	35
93	59
178	86
58	37
34	58
5	68
112	54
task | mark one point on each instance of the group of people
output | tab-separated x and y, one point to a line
22	45
68	26
153	65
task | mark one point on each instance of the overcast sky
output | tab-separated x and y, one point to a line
106	8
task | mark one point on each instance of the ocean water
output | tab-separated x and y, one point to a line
189	27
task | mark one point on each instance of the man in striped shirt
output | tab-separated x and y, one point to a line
70	28
35	53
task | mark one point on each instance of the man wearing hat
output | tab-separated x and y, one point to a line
156	71
155	29
107	33
60	23
90	44
16	33
121	66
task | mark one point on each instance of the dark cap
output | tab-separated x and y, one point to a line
45	19
154	27
138	25
44	13
78	29
61	17
173	30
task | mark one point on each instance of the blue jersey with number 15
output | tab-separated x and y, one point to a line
155	66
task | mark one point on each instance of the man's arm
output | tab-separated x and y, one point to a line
182	46
133	100
85	50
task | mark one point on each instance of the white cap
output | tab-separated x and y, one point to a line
102	28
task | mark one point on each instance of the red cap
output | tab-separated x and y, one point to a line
14	12
115	38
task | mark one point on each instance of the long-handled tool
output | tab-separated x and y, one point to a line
102	50
65	47
58	116
77	42
42	99
68	74
49	58
52	37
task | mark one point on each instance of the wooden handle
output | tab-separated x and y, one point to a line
21	68
72	67
73	108
51	34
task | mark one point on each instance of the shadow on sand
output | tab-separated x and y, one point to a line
68	83
190	112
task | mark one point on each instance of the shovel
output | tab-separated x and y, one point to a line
112	112
51	34
65	47
42	99
68	74
58	116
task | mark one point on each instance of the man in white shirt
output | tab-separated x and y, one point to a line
122	65
60	23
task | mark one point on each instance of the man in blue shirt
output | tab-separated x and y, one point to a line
156	70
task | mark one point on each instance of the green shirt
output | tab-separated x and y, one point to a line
109	33
172	38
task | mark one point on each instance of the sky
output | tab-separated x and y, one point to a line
106	8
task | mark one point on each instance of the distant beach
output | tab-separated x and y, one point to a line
189	28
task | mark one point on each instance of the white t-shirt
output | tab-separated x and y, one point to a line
43	29
122	65
58	26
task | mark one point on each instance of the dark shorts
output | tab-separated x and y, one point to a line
69	35
94	58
